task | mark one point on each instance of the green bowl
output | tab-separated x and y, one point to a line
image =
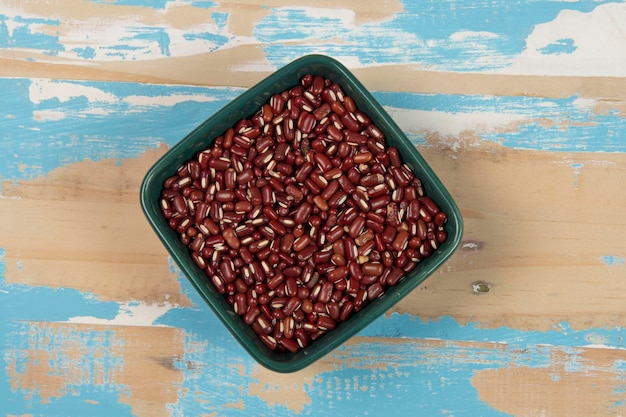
245	106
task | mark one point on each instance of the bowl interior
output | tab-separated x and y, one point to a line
245	106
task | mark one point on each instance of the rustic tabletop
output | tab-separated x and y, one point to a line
519	107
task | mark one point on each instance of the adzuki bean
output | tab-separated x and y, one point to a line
301	214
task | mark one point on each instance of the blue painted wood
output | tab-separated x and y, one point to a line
397	366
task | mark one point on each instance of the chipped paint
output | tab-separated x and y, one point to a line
129	314
613	260
446	36
577	166
561	47
89	369
106	325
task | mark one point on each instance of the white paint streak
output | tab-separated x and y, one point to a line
469	35
599	38
129	314
449	124
41	90
96	111
253	66
470	245
346	16
585	103
48	115
126	37
602	346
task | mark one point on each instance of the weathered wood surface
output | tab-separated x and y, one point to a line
519	108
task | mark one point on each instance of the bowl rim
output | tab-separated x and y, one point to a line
375	309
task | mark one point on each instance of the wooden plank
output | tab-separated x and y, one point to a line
146	367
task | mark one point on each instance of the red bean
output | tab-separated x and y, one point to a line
372	268
289	344
302	213
350	249
401	241
338	273
231	239
337	199
322	162
429	204
330	189
440	219
362	158
356	227
326	323
268	341
306	253
321	203
355	271
302	338
374	291
219	164
292	305
422	229
389	234
441	236
180	205
367	248
241	304
258	245
302	242
265	324
306	122
351	123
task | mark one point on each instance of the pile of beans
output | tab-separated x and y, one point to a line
301	214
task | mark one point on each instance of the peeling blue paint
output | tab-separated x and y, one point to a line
448	35
204	4
153	4
220	19
577	170
5	39
86	53
215	38
24	36
279	27
21	334
613	260
158	35
92	392
560	46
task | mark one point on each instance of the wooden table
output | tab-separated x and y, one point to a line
519	108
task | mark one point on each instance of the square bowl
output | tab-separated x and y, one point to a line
245	106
